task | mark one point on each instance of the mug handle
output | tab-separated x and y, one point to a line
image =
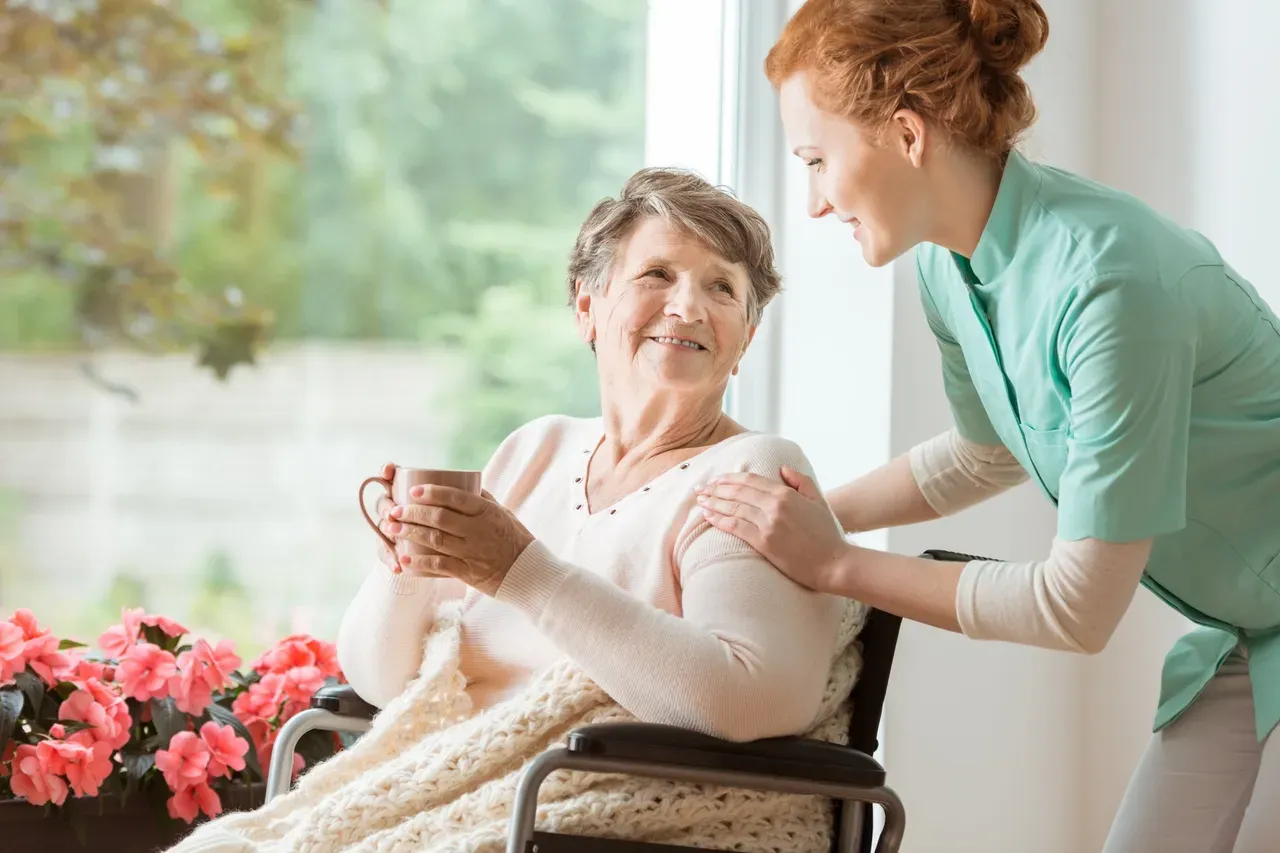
386	485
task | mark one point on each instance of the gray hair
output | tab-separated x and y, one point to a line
712	215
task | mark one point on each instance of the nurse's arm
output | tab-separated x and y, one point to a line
937	477
1072	601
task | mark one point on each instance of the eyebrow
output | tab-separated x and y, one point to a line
660	261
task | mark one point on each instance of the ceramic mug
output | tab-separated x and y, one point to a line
398	488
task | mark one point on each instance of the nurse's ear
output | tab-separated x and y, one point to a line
907	132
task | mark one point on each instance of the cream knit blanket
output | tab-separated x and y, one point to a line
431	776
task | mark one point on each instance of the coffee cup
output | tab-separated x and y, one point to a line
397	488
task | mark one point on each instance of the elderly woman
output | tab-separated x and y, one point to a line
585	583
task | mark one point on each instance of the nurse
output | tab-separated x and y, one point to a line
1087	343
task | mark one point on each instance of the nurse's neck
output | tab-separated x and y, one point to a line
963	185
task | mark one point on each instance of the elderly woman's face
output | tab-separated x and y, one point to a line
673	312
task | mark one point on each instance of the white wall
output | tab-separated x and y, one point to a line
996	748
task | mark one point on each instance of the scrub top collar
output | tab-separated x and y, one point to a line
1019	188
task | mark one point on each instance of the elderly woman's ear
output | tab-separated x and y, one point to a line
582	312
746	344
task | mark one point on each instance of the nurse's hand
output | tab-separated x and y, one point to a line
788	523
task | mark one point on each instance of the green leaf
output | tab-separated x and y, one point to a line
65	689
73	726
315	746
136	766
231	343
225	717
153	635
11	702
33	688
246	680
70	644
168	719
185	647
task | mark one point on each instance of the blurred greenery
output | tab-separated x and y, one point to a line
448	147
223	176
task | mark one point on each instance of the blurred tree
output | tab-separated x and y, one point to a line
93	97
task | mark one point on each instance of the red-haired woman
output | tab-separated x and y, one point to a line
1087	343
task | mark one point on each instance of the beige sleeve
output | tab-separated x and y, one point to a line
1072	601
749	658
954	473
383	630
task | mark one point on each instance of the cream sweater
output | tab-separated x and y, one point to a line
678	622
1072	601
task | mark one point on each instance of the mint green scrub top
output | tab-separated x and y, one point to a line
1136	377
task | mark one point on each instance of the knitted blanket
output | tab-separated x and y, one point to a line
432	776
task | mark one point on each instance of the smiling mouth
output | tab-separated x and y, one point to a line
680	342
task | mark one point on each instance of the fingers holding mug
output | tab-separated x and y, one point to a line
385	483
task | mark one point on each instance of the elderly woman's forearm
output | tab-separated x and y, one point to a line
886	497
749	659
380	638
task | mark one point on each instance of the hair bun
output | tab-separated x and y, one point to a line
1007	33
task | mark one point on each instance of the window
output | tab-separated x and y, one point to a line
382	193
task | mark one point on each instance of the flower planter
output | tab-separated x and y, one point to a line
102	824
174	725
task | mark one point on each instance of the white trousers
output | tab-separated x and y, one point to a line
1205	784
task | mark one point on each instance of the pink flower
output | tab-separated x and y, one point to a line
86	763
201	671
189	802
106	712
164	623
86	669
226	750
219	661
262	699
26	620
145	670
46	661
40	649
185	763
300	650
190	692
301	683
37	774
12	643
118	639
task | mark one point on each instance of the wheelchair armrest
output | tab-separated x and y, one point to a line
953	556
342	699
790	757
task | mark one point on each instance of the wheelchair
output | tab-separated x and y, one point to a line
848	774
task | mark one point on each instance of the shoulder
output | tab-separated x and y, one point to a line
1095	233
758	453
539	445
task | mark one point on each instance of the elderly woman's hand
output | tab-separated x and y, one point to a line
477	540
788	523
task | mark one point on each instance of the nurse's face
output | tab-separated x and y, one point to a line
871	182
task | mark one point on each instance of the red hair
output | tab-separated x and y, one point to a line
955	62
